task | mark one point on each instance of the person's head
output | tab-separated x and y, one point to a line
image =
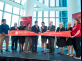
28	24
4	21
43	24
61	25
36	23
76	21
21	23
68	24
51	23
15	24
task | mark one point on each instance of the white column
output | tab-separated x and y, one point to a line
73	7
29	7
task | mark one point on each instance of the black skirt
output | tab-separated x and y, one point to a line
21	39
44	39
61	42
69	42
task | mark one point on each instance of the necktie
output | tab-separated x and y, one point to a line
37	27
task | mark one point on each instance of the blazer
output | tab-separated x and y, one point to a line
44	30
62	29
51	29
34	29
30	29
13	28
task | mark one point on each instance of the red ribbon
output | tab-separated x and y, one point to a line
47	33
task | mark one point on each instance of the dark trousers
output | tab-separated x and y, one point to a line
51	44
14	43
77	47
34	44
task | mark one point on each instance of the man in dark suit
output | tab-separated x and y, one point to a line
35	29
14	38
51	39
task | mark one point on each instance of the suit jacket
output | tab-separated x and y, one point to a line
44	30
62	29
51	29
13	28
34	29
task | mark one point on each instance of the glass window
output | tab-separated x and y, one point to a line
46	22
47	2
58	20
52	13
15	19
8	8
35	5
39	13
34	13
39	22
24	12
41	1
16	10
45	13
52	2
57	3
65	20
34	19
21	12
53	20
18	1
0	17
58	13
64	14
1	5
7	16
23	2
64	3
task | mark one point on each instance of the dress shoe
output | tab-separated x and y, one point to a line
42	51
7	51
36	52
26	52
33	52
49	52
52	53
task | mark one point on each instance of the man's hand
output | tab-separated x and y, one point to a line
42	27
66	39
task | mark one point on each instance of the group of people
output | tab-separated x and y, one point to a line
31	41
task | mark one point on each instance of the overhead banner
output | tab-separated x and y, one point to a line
47	33
26	20
76	15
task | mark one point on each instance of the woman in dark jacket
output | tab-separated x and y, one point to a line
21	38
69	40
44	38
61	41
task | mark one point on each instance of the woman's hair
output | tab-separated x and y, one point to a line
21	22
78	21
69	23
28	24
61	23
